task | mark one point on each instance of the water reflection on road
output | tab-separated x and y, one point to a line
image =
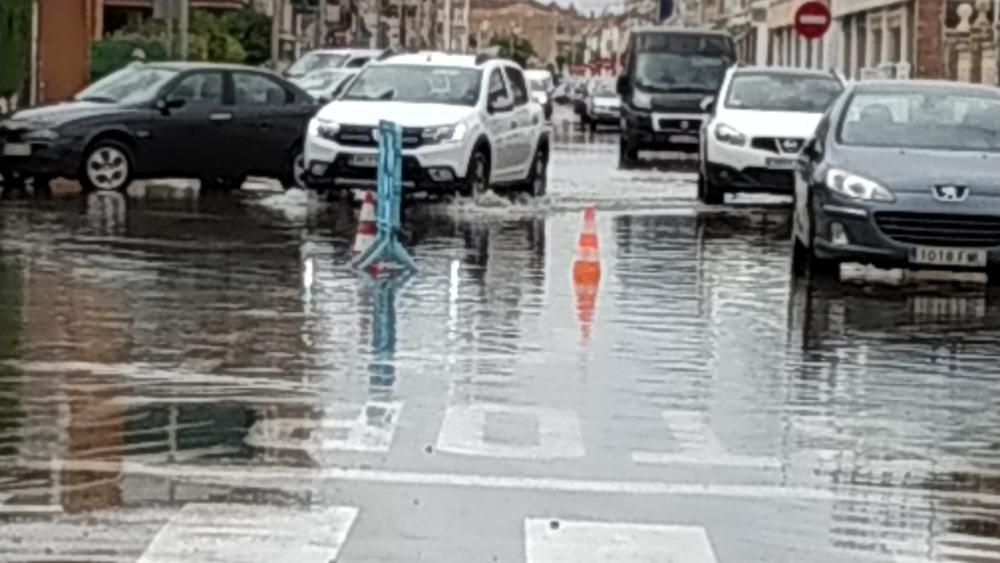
158	352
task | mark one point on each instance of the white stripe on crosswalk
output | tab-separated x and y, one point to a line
699	445
555	433
562	541
235	533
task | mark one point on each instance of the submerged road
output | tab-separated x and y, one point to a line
204	379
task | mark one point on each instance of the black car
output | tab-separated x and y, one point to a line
902	174
217	123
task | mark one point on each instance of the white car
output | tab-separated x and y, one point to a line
759	124
468	122
325	59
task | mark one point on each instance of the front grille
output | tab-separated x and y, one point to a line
940	229
680	125
11	135
361	136
778	145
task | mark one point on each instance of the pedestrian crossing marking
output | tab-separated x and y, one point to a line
556	433
371	431
368	427
224	533
699	445
561	541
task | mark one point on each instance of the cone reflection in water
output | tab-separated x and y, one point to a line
587	273
366	225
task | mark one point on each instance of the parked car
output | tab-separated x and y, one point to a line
578	97
603	106
757	127
326	84
320	59
468	126
902	173
218	123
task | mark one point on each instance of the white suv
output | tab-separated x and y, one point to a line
468	122
760	121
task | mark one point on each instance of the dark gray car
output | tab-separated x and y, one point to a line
902	174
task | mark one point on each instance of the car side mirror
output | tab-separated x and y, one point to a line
500	104
621	86
165	105
707	104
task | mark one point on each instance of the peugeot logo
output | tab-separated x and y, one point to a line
947	192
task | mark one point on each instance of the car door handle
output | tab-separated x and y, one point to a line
221	117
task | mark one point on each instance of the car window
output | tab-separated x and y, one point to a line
357	62
762	91
497	87
199	89
258	90
517	85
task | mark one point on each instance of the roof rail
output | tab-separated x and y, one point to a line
483	58
837	74
386	54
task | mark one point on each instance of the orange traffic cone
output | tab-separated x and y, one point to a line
366	225
587	273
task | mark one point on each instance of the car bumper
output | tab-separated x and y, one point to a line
746	169
607	117
59	158
660	131
433	168
888	235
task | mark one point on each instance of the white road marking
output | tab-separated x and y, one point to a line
360	428
699	446
266	475
561	541
250	533
464	432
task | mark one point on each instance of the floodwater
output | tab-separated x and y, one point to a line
205	379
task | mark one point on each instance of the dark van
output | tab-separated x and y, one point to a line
669	77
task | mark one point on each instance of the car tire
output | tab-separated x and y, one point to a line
538	177
106	166
708	193
295	171
806	263
477	176
628	156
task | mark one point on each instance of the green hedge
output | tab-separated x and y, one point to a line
109	55
15	41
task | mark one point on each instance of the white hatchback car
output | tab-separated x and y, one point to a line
759	124
468	122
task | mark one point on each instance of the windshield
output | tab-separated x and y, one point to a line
130	85
322	81
929	120
681	73
782	92
604	88
314	61
417	84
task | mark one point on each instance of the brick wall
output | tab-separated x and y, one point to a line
930	61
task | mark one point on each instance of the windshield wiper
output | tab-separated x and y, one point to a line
99	99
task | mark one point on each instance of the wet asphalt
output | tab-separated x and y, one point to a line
203	378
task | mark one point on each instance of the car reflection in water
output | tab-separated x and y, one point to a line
892	388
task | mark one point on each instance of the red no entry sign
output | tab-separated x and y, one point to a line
812	19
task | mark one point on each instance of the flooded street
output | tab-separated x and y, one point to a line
205	379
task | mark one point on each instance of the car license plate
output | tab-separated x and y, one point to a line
933	307
781	163
365	160
17	149
933	256
685	139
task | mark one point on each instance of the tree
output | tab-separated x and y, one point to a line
517	49
211	40
15	40
253	31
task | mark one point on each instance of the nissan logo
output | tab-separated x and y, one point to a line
948	192
790	145
684	124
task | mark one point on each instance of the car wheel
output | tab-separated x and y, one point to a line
477	179
538	178
628	157
294	177
107	166
806	263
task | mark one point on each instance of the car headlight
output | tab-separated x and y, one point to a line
857	187
324	128
642	100
41	135
729	135
444	133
